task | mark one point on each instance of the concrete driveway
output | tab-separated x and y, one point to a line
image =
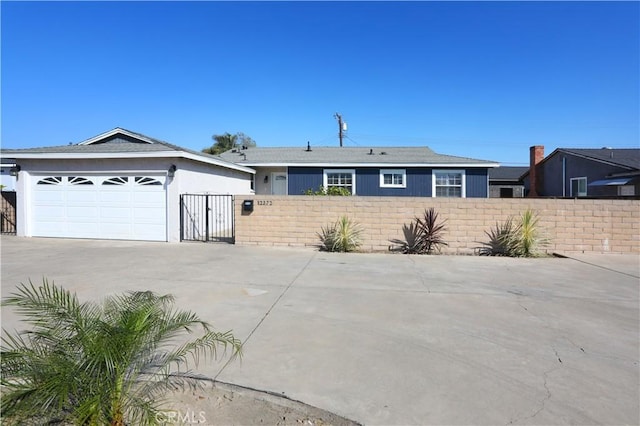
388	339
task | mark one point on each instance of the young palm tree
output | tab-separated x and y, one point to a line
90	363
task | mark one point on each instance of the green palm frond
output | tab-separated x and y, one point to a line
90	363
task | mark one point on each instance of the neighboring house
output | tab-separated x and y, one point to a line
505	182
8	173
117	185
568	172
378	171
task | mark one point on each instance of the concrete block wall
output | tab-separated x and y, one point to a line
590	226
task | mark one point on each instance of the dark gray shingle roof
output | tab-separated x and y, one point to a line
507	173
345	155
625	157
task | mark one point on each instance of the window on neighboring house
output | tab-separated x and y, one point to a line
579	187
340	178
448	183
393	178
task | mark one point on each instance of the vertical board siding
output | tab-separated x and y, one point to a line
419	182
304	178
477	183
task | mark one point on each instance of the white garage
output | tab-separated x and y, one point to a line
118	185
104	206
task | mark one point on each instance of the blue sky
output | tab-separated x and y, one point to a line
477	79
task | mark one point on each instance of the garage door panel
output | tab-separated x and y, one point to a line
82	230
126	207
88	213
115	213
82	196
149	231
49	196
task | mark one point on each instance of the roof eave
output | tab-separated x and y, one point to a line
115	155
386	165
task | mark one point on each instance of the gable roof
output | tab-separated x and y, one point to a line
627	158
621	157
120	143
349	157
507	173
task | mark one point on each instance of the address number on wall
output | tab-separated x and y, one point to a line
265	202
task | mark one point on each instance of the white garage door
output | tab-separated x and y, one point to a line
106	207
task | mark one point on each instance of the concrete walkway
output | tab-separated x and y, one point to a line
388	339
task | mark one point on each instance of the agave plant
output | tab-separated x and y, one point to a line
90	363
344	235
423	235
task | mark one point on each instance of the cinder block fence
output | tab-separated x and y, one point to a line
573	225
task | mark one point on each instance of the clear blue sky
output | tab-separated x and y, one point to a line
476	79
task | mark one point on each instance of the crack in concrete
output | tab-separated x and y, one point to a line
420	276
547	397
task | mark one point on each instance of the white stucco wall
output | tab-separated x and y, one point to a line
190	177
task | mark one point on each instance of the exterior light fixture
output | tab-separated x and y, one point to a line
15	170
172	171
266	179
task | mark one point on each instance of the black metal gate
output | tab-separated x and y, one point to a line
8	213
205	217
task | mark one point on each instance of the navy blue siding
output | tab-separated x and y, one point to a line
419	182
477	183
303	178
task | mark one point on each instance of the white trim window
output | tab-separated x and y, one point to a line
340	178
393	178
448	183
579	187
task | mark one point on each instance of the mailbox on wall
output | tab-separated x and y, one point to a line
247	206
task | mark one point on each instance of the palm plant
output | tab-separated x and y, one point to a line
344	235
91	363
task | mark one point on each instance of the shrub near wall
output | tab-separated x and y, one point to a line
597	226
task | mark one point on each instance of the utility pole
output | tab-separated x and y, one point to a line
340	126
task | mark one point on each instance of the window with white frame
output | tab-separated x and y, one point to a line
393	178
579	187
340	178
448	183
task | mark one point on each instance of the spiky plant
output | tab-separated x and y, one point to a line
103	363
423	235
344	235
529	236
431	230
502	240
412	243
515	239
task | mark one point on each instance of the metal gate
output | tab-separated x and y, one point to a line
205	217
8	213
